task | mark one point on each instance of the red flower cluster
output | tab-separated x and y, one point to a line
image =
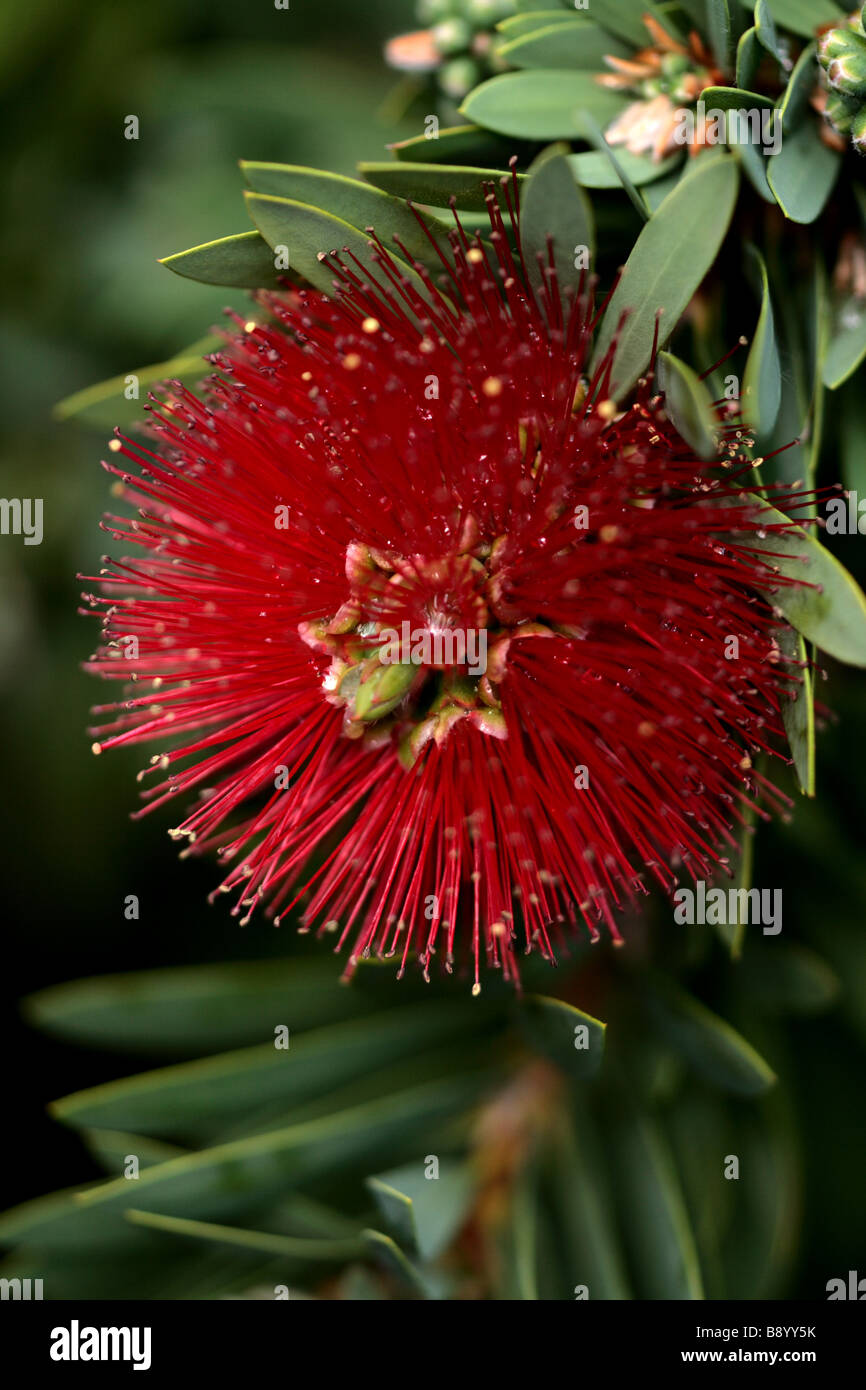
441	464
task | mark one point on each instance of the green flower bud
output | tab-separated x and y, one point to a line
858	131
840	112
458	77
433	11
673	64
452	36
483	14
843	58
382	688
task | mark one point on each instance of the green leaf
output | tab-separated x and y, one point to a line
733	933
798	712
555	207
831	613
567	44
595	170
105	405
652	1211
584	1210
735	99
749	54
464	144
766	31
539	18
353	202
756	163
436	183
310	233
788	978
424	1212
667	264
624	18
572	1039
846	349
265	1242
720	33
794	105
802	174
111	1148
244	261
688	404
804	17
763	1233
762	383
170	1099
852	438
547	105
254	1171
706	1042
394	1262
596	137
195	1009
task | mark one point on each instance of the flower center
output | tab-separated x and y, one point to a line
420	644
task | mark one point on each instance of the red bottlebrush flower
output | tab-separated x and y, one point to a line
435	631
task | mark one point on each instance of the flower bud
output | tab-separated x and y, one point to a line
843	57
452	36
858	131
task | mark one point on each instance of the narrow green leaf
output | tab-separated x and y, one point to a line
667	264
547	105
798	712
113	1149
555	208
794	104
766	31
762	382
804	17
584	1209
749	54
265	1242
464	144
360	205
788	978
594	169
852	438
107	404
688	404
652	1211
624	18
802	174
572	1039
707	1043
316	1062
846	348
763	1234
434	184
720	32
425	1210
254	1171
563	45
245	261
538	18
310	234
195	1009
595	136
392	1259
735	99
831	613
